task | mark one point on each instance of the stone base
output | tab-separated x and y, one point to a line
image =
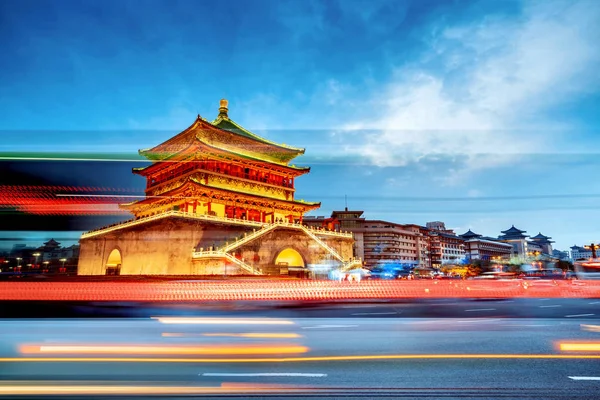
166	247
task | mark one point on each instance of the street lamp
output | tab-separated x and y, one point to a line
19	261
593	247
36	255
46	265
63	260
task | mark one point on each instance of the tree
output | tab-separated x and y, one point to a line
564	265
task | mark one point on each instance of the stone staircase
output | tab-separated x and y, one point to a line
224	251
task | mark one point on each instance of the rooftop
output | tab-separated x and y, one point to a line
513	233
470	234
542	238
223	122
232	135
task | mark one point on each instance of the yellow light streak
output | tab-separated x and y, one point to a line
214	350
590	328
311	359
223	321
242	335
30	389
580	346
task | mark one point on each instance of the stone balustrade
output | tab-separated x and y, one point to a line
206	217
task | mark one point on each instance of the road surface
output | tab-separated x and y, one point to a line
361	351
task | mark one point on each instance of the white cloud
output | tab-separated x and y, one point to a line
499	77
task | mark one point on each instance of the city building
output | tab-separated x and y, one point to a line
561	255
219	200
517	239
50	257
543	242
388	242
349	221
378	242
580	253
445	247
538	245
478	247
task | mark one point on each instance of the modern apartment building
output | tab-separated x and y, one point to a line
377	241
445	246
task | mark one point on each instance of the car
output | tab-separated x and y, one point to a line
389	273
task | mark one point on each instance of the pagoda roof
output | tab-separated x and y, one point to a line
470	234
513	230
513	233
227	124
140	170
201	128
195	182
51	242
541	237
250	157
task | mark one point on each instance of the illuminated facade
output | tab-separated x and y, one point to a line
478	247
446	248
219	200
379	242
522	247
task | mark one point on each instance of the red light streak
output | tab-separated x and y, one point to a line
279	290
63	200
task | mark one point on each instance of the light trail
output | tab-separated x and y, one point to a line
276	290
30	388
128	349
310	359
590	328
255	335
580	346
220	321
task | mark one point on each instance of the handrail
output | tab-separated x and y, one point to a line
331	250
173	213
351	263
249	237
242	264
222	254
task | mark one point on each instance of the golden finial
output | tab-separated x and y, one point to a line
223	108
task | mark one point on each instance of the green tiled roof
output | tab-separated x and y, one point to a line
229	125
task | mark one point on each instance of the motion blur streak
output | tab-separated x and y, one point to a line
310	359
580	346
242	335
228	321
215	350
61	200
30	389
272	289
590	328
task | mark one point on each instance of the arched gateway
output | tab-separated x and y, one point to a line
289	258
113	264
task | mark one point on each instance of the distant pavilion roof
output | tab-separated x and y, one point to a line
513	233
470	234
52	243
542	238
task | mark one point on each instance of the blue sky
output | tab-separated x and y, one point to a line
482	114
